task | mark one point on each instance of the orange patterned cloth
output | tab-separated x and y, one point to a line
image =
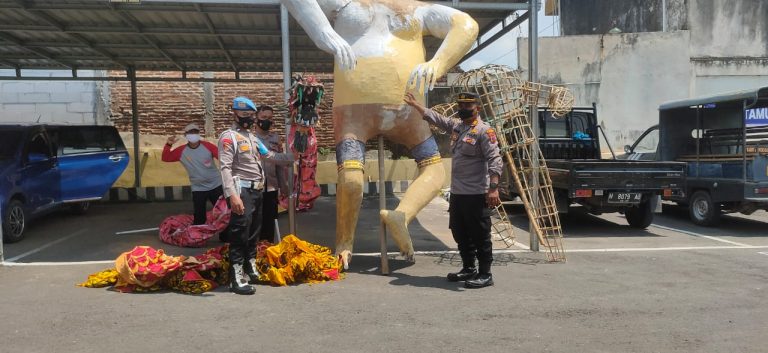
296	261
144	267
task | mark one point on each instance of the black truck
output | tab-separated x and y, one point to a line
723	140
571	147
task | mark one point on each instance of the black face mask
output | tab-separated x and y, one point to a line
246	122
466	113
264	124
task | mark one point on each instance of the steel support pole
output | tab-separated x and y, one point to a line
286	46
533	110
382	206
135	113
2	252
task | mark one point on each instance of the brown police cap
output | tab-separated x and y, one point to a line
467	97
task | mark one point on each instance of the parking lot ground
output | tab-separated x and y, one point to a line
673	288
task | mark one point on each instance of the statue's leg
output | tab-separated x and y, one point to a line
350	157
423	189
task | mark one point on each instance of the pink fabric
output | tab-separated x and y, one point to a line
178	230
306	188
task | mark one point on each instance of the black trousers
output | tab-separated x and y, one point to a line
199	200
470	223
244	229
268	216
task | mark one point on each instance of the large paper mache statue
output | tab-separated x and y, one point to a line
379	55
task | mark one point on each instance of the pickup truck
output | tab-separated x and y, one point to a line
723	140
571	147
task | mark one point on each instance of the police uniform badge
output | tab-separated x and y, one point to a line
491	136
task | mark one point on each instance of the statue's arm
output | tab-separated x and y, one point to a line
311	17
458	31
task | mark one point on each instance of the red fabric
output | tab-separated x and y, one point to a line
306	186
178	230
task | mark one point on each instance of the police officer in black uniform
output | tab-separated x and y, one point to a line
475	169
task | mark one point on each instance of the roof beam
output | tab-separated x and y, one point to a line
504	30
212	30
149	30
129	20
9	38
63	5
40	14
35	44
9	64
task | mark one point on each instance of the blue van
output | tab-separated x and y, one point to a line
43	167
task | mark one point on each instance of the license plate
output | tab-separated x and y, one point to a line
625	197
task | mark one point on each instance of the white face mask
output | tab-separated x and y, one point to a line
193	138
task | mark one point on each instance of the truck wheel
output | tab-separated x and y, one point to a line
702	210
14	222
639	217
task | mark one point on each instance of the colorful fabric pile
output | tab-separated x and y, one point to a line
178	230
296	261
145	269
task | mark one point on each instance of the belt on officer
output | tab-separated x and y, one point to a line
250	184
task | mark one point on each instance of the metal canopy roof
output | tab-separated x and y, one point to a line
213	35
751	94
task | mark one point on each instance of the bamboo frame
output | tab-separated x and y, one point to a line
502	227
504	98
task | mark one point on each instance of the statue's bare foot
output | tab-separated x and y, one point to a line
344	257
398	228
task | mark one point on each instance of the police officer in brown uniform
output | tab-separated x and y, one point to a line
243	178
475	169
276	174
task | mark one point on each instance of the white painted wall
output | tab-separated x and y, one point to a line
67	102
627	75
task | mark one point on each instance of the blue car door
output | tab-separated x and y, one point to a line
39	175
91	158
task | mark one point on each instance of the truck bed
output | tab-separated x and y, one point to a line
609	174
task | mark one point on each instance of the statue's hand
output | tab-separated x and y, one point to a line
426	73
331	42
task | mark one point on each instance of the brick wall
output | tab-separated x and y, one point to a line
166	107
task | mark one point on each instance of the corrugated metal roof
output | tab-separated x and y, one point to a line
97	34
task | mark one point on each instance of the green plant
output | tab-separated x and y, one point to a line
324	151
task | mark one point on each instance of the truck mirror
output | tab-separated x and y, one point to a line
627	149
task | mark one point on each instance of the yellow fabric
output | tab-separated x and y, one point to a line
101	279
296	261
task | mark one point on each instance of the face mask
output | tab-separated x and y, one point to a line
466	113
193	138
264	124
246	122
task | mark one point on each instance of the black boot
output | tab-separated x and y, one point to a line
466	273
238	283
250	270
480	281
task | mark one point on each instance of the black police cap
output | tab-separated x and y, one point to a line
467	97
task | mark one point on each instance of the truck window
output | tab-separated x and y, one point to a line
38	145
648	143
